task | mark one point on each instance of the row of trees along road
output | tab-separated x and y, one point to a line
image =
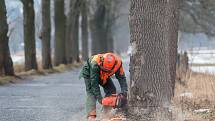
154	42
66	32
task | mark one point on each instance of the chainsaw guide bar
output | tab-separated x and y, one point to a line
117	119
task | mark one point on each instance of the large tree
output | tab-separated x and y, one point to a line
46	35
72	40
6	64
60	45
29	34
84	29
154	28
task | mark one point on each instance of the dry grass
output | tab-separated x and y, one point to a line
20	69
193	92
207	64
20	72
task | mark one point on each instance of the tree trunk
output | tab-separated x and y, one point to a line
29	35
59	18
110	42
84	30
110	22
101	27
153	27
6	63
46	35
73	32
97	26
173	35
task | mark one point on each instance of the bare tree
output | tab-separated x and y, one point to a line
46	34
101	25
60	45
84	29
72	44
97	26
198	16
29	34
154	28
6	63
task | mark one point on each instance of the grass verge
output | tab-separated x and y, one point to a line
20	73
195	94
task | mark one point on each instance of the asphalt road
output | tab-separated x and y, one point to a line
56	97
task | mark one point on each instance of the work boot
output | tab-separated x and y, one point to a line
106	111
91	118
91	115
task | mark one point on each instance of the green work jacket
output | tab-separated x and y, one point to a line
91	71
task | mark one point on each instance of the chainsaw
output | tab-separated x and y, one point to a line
115	101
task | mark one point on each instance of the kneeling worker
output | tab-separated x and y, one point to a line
97	71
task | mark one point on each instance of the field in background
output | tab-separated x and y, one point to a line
195	97
202	60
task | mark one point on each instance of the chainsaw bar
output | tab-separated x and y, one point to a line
117	119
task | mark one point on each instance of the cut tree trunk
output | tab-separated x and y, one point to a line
6	63
46	35
72	40
84	30
154	28
60	44
29	35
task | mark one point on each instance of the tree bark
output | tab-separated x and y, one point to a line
84	30
173	20
154	28
46	35
60	44
73	32
29	35
6	63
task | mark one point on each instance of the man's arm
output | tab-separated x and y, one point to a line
94	77
120	75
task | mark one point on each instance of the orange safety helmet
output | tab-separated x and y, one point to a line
108	62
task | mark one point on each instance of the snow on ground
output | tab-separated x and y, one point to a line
203	57
18	59
204	69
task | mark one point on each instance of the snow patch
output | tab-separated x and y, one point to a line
204	69
186	94
18	59
133	48
202	56
202	111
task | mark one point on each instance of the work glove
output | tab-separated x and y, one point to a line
124	94
100	100
122	101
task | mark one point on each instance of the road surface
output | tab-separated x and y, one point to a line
56	97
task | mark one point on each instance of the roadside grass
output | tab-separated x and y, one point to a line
7	79
195	95
201	65
21	73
